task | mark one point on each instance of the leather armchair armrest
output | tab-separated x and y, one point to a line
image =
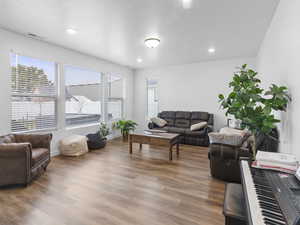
15	150
15	163
228	151
36	140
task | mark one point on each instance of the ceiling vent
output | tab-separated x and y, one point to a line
34	36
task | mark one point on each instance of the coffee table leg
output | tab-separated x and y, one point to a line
130	147
177	149
170	153
141	146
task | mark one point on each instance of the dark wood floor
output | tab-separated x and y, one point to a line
110	187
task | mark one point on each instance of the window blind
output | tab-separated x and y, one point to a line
33	94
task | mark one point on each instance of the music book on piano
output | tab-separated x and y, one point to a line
276	161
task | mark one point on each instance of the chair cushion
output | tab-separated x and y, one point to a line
183	115
176	130
199	116
39	154
182	123
234	202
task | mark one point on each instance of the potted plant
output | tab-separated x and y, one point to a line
253	105
98	139
125	126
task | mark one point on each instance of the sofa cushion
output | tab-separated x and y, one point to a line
199	116
170	122
38	154
165	128
176	130
182	123
167	114
183	115
197	133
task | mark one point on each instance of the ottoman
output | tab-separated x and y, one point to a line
74	145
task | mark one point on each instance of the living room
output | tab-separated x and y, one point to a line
79	75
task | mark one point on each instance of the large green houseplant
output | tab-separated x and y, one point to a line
253	105
125	126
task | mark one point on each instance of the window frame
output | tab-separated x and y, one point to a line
54	97
156	94
64	85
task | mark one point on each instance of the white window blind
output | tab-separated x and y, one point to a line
33	94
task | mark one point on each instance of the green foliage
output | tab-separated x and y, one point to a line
28	78
104	130
125	126
253	105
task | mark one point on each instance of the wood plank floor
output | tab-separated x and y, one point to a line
110	187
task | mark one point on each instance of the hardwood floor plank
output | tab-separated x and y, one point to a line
111	187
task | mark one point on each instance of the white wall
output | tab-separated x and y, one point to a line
187	87
33	48
278	61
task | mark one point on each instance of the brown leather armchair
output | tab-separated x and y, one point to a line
224	161
23	157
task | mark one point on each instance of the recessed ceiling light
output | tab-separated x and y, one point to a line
139	60
211	50
71	31
152	42
187	4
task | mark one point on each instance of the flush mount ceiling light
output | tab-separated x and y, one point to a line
152	42
139	60
71	31
187	4
211	50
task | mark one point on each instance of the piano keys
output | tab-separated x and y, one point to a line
272	198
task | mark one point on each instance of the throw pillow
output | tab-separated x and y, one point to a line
158	121
228	139
198	126
228	130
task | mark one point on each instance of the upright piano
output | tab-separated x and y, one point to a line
272	198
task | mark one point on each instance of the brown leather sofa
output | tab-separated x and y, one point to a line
224	161
180	122
23	157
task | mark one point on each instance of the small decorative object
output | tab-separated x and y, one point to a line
125	126
98	140
253	105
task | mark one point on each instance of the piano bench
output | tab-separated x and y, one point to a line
234	205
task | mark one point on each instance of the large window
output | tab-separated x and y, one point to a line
33	95
83	96
152	98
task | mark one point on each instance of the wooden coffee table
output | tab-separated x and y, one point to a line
161	139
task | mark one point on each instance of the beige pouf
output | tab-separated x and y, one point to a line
74	145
